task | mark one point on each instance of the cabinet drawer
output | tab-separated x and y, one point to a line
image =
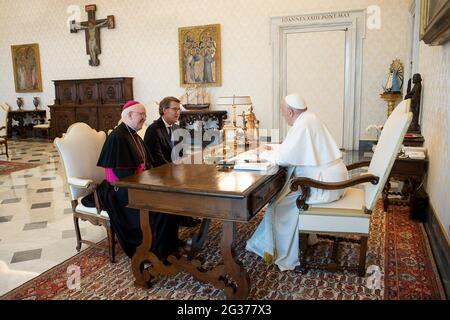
87	115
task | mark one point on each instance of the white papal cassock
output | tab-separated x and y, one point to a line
309	151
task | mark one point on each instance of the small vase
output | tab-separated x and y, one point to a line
20	103
36	102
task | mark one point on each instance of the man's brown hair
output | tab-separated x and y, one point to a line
165	103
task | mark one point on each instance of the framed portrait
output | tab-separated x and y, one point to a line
200	56
434	21
27	67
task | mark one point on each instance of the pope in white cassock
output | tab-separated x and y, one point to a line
309	151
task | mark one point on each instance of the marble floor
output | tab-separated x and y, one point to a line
36	224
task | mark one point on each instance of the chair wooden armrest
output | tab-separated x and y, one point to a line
357	165
79	182
86	184
306	183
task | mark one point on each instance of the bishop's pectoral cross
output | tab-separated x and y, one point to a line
92	31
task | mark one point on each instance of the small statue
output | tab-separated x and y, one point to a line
414	94
394	81
250	119
251	125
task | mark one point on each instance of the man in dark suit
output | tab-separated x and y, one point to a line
159	135
160	142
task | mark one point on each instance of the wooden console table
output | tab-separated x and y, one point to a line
202	191
412	171
21	122
210	119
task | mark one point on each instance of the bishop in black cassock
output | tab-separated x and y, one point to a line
124	154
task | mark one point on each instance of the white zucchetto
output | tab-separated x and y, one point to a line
295	101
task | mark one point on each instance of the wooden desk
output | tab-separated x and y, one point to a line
202	191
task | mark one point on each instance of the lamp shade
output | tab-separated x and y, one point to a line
234	100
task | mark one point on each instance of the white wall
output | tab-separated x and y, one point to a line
144	45
434	66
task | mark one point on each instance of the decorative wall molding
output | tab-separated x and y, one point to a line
354	25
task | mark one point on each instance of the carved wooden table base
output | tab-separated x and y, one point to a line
229	275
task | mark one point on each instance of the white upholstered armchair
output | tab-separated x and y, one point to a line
351	214
79	149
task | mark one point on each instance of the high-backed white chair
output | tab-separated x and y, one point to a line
80	149
4	127
351	214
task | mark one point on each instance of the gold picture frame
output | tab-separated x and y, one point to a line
434	18
200	56
27	67
423	17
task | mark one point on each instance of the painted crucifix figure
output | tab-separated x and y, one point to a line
92	32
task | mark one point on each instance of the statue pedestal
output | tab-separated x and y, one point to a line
391	98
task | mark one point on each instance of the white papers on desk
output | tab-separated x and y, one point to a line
254	166
251	160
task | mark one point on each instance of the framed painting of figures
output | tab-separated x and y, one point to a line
27	67
200	56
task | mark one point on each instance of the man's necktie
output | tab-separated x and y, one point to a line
170	136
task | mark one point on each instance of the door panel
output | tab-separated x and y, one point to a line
108	117
315	70
62	119
87	115
88	93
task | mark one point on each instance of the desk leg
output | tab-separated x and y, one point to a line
142	252
144	274
233	267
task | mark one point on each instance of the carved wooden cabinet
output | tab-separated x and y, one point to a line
97	102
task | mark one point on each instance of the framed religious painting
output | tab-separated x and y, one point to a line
434	21
200	56
27	67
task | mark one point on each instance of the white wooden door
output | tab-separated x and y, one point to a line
315	65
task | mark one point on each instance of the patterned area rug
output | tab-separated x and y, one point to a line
403	279
411	272
7	167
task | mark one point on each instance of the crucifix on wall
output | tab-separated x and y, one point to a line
91	28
